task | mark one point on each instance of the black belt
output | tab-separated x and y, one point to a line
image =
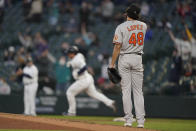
132	53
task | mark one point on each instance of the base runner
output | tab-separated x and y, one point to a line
83	82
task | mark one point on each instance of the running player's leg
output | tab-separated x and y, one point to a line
77	87
92	92
125	73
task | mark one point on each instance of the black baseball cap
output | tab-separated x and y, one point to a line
133	11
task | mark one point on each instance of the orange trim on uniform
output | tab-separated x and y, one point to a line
116	43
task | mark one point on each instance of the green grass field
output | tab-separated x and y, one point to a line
26	130
151	123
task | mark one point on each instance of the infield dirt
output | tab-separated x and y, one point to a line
15	121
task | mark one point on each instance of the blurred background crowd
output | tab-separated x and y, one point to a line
45	29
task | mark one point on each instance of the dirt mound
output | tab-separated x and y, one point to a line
13	121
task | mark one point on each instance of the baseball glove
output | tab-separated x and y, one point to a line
114	76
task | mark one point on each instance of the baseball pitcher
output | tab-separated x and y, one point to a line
129	43
83	82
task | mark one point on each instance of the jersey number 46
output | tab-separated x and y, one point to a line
139	39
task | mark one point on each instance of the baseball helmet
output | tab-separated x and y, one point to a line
73	49
133	11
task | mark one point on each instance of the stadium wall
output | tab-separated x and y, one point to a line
156	106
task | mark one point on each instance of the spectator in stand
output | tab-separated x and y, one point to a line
43	63
107	10
149	34
63	76
41	46
49	3
44	60
95	40
44	66
26	7
193	49
165	24
4	87
53	12
145	9
105	61
26	41
183	47
176	68
119	17
171	86
21	57
9	56
194	15
41	52
88	37
20	60
36	11
64	47
2	2
9	3
84	15
71	26
82	46
153	22
66	7
183	9
103	82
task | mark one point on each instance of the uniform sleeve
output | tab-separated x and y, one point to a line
79	62
193	40
146	27
190	49
117	36
34	73
177	42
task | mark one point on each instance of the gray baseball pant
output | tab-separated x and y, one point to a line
131	70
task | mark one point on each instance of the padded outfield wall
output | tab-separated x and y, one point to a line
155	106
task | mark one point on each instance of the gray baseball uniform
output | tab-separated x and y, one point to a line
130	35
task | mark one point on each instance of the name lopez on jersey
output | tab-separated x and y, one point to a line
135	27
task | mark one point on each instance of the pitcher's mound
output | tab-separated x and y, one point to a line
13	121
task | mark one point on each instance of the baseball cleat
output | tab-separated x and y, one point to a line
140	126
114	107
68	114
33	114
128	125
26	114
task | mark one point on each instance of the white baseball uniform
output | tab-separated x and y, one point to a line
84	82
130	35
30	81
184	48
